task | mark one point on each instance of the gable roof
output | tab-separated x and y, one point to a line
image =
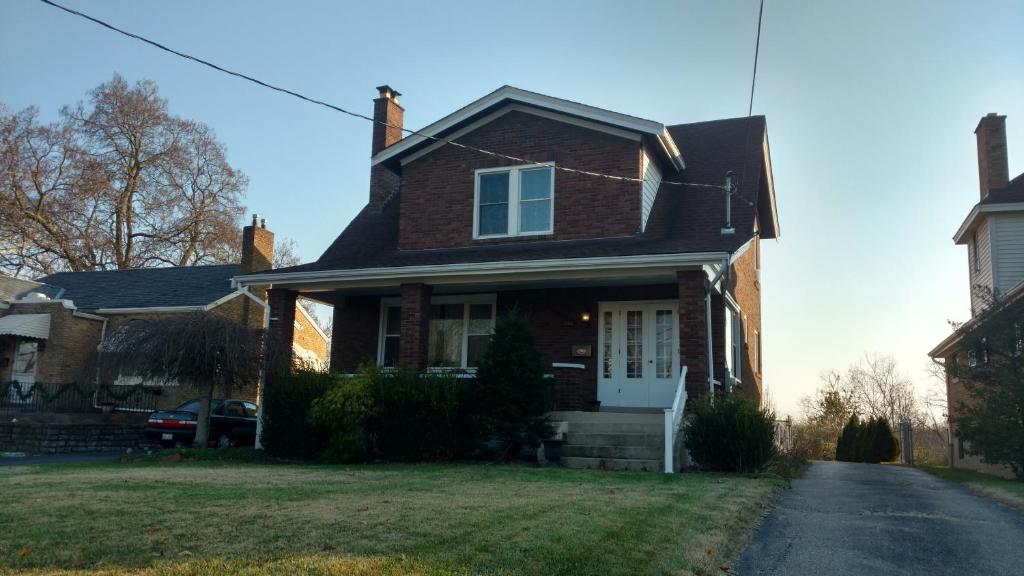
683	219
445	127
146	287
1009	198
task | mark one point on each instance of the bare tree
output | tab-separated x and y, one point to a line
204	350
286	253
881	390
117	182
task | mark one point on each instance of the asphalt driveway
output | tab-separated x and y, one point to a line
854	519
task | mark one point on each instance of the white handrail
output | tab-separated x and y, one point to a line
673	419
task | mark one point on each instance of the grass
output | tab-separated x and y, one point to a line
209	517
1009	492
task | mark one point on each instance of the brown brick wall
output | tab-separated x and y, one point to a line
354	338
745	288
437	190
307	336
693	330
281	332
415	324
68	355
956	394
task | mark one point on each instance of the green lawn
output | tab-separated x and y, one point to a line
217	517
1009	492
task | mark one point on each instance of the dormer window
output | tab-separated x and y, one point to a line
514	201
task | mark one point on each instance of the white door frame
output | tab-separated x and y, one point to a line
609	390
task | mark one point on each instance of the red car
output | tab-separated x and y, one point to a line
232	423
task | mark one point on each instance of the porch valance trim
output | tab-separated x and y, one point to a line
26	326
492	269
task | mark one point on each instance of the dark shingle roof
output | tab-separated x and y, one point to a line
1012	193
145	287
683	219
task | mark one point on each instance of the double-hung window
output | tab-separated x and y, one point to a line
514	201
458	335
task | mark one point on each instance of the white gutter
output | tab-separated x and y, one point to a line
263	364
171	309
968	224
490	269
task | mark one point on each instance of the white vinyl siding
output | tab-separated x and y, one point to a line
648	189
1008	256
983	275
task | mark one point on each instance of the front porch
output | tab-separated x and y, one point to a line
609	343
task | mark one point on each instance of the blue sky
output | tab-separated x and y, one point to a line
871	108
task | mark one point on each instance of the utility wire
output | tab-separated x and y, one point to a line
357	114
753	83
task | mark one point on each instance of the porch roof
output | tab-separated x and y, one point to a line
26	325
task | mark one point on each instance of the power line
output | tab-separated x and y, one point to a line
363	116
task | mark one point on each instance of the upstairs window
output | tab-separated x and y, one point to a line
514	201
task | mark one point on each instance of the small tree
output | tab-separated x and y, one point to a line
204	350
991	419
511	399
847	439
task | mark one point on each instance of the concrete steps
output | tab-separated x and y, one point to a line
613	440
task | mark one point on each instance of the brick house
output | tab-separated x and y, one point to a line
623	279
993	233
50	328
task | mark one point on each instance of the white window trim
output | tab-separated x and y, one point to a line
466	300
514	193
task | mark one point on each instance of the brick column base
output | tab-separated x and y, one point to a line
281	330
693	330
415	326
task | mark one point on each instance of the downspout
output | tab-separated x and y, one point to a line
263	363
99	364
707	322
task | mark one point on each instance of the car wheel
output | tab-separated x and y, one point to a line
224	441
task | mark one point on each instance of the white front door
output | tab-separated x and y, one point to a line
639	353
23	372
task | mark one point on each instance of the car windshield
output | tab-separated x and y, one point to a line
193	406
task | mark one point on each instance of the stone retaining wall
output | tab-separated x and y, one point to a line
56	433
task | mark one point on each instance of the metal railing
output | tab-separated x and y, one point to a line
75	397
673	422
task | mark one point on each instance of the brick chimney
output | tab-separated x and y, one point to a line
257	246
993	168
387	129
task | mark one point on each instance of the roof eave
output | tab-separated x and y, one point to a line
498	267
510	93
972	219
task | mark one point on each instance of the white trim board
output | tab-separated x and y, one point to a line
447	273
979	209
649	127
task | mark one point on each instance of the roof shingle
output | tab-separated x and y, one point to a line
145	287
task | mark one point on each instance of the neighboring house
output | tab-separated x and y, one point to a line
993	233
50	329
612	273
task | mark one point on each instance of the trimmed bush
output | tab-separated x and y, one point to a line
341	415
733	435
418	417
867	441
510	399
287	432
391	414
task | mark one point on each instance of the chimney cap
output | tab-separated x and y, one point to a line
990	117
388	93
255	218
263	223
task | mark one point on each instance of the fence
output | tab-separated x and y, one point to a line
75	397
